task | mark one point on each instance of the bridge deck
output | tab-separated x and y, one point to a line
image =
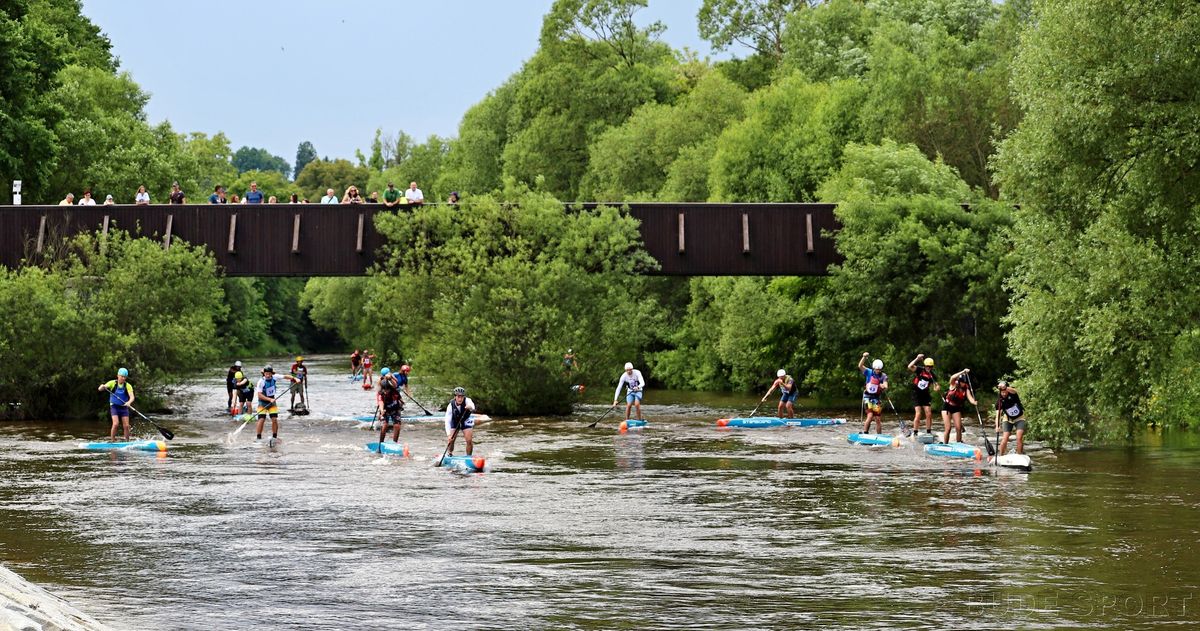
688	239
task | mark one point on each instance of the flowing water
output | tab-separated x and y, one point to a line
678	526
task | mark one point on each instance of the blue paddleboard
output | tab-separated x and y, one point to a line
633	423
759	422
137	445
469	463
954	450
871	439
395	449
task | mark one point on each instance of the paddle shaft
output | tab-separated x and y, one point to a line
166	433
410	398
903	425
453	435
979	417
614	406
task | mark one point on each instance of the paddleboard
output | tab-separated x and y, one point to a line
395	449
955	450
759	422
469	463
367	418
633	423
136	445
1019	462
926	439
873	439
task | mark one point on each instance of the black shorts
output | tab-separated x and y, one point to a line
245	397
951	409
922	398
390	418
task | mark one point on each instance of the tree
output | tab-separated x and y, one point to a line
606	22
256	159
320	175
1104	167
831	41
423	164
755	24
305	153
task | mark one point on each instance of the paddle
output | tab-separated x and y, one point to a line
249	416
382	430
614	406
453	435
903	426
167	434
755	410
410	398
970	388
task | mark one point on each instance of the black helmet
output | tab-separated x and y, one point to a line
268	368
460	391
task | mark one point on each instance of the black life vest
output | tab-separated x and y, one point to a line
957	396
391	398
1010	404
923	379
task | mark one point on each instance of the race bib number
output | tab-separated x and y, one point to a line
922	385
872	388
1013	412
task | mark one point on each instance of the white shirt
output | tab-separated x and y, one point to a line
450	412
141	197
87	201
329	199
414	195
633	380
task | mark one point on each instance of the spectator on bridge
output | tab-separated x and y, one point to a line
254	196
234	199
218	196
295	199
453	199
351	196
177	196
272	200
373	198
414	195
87	198
329	198
391	196
69	200
141	198
108	200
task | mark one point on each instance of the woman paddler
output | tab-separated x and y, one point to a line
120	397
956	398
389	407
923	382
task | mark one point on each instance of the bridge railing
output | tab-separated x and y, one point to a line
688	239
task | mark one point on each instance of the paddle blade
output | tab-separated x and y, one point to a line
166	433
986	443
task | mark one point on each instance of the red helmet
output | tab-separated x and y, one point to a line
406	369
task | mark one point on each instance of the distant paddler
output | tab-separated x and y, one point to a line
368	374
632	380
355	363
874	388
120	397
300	372
231	385
245	392
459	420
389	407
401	378
266	391
569	363
923	382
1011	411
957	395
787	391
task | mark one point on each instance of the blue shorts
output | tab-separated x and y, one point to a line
789	397
634	396
466	424
119	411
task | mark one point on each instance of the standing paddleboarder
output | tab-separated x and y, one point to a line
368	374
120	397
459	420
1009	405
300	373
634	383
245	393
355	362
265	391
957	395
874	387
402	379
389	407
787	391
231	385
923	382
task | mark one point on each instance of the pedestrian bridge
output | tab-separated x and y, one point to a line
687	239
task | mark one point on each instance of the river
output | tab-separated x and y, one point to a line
678	526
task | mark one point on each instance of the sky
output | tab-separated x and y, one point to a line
273	73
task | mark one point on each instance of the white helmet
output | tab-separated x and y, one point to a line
628	365
877	364
781	372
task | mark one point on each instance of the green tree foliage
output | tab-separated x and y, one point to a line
921	274
790	140
245	329
305	153
1104	167
257	159
633	160
831	41
320	175
473	162
498	313
206	163
130	303
755	24
271	183
339	305
421	164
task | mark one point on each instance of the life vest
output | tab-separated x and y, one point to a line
268	387
872	387
390	397
786	384
923	378
459	413
957	396
1011	405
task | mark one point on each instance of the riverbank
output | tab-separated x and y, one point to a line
27	607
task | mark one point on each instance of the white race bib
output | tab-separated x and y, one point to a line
1013	412
922	385
872	388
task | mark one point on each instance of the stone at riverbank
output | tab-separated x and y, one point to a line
27	607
